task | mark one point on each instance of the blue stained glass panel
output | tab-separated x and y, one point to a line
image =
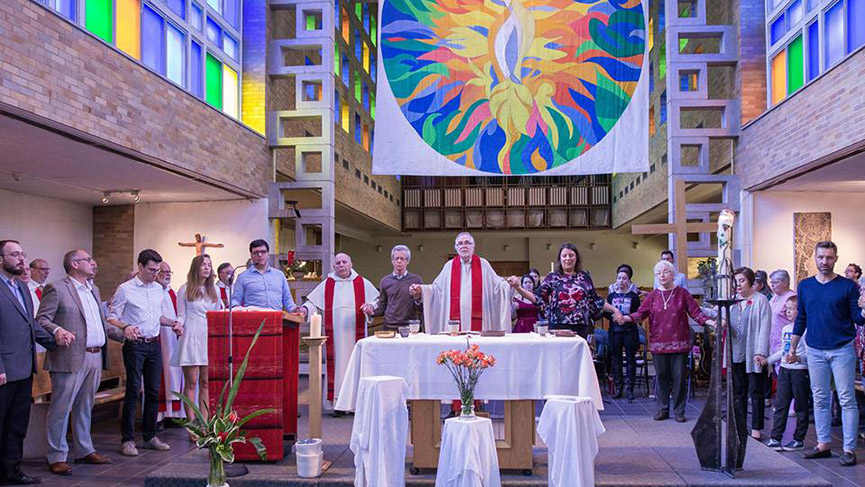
794	13
175	56
196	16
214	32
196	82
813	50
152	40
855	24
229	45
833	35
230	11
66	8
178	7
778	28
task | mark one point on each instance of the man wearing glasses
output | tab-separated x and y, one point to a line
137	310
262	285
18	335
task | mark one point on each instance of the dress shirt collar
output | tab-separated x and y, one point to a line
265	271
400	276
80	287
139	283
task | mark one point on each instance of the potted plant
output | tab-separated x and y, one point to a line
466	367
223	428
297	268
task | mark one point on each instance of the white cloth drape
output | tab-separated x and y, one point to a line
496	301
570	426
172	377
344	312
379	432
528	366
467	457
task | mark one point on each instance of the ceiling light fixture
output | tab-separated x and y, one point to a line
136	195
105	197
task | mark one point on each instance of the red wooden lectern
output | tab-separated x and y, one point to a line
271	375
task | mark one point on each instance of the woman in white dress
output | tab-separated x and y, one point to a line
194	300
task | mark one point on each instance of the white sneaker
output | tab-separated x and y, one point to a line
156	444
128	449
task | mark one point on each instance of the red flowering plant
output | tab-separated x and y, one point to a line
222	429
466	367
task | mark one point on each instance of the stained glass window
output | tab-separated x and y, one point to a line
152	40
99	19
779	79
175	54
214	32
813	50
196	17
855	24
229	45
795	65
178	7
230	12
833	34
196	85
213	73
129	27
229	91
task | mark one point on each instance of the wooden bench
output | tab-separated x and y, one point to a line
112	387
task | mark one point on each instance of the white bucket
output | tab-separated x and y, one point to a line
309	466
308	446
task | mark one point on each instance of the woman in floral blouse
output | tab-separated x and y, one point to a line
567	295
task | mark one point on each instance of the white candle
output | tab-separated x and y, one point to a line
315	325
724	276
552	267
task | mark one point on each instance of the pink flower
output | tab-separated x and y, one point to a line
233	417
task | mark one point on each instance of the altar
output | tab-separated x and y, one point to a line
528	368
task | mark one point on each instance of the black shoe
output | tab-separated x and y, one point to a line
848	459
618	394
815	453
662	415
338	414
680	418
22	478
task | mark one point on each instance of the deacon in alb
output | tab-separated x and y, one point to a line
339	299
467	290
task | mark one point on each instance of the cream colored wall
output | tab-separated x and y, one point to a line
161	226
611	249
46	227
772	244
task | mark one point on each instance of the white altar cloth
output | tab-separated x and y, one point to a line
528	366
380	432
570	426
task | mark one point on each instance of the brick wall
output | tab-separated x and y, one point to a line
824	117
56	70
751	72
113	247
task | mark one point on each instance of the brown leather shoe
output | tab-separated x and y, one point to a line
94	459
60	468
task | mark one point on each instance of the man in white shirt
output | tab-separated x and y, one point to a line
680	279
70	306
137	310
39	270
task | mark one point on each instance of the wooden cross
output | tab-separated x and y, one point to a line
200	244
680	227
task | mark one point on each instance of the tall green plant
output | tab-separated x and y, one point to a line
223	429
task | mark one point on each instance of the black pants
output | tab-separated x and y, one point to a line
629	339
670	368
141	360
15	399
749	384
792	384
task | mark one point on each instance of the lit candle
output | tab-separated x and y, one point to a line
315	325
552	267
724	276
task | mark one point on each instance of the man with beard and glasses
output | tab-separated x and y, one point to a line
18	337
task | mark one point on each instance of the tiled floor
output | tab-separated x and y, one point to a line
132	471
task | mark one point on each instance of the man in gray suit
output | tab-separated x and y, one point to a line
18	337
70	311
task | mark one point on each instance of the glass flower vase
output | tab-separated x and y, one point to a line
467	408
216	475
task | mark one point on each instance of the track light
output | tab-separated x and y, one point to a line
136	196
105	199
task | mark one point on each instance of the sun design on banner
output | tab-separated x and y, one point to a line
513	86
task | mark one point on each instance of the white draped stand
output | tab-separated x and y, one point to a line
468	454
529	367
570	426
379	432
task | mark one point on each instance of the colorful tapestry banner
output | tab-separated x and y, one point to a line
511	87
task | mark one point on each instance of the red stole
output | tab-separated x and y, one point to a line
359	325
224	296
477	292
173	299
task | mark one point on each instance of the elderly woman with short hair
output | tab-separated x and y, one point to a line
668	308
779	281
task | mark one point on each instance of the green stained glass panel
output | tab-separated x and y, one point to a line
372	34
310	22
372	105
336	59
795	66
99	19
357	86
357	9
662	61
213	93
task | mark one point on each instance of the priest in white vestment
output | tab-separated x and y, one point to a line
170	405
339	299
467	290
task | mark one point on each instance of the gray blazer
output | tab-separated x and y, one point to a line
61	306
749	330
19	334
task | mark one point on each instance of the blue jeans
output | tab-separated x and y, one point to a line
823	365
141	360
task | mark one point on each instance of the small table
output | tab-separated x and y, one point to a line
528	367
468	454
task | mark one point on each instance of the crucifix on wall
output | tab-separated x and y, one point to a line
680	227
200	244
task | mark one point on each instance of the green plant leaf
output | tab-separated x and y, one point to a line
254	415
226	452
191	403
238	377
260	449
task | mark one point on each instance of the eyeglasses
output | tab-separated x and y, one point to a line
259	252
17	255
165	273
87	259
465	243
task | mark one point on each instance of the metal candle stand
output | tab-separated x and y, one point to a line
708	433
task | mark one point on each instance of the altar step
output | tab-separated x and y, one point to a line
634	451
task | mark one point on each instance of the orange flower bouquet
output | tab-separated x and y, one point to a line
466	367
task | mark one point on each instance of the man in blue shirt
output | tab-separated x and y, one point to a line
829	305
262	285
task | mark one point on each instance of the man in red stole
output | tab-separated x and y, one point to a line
339	299
467	290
